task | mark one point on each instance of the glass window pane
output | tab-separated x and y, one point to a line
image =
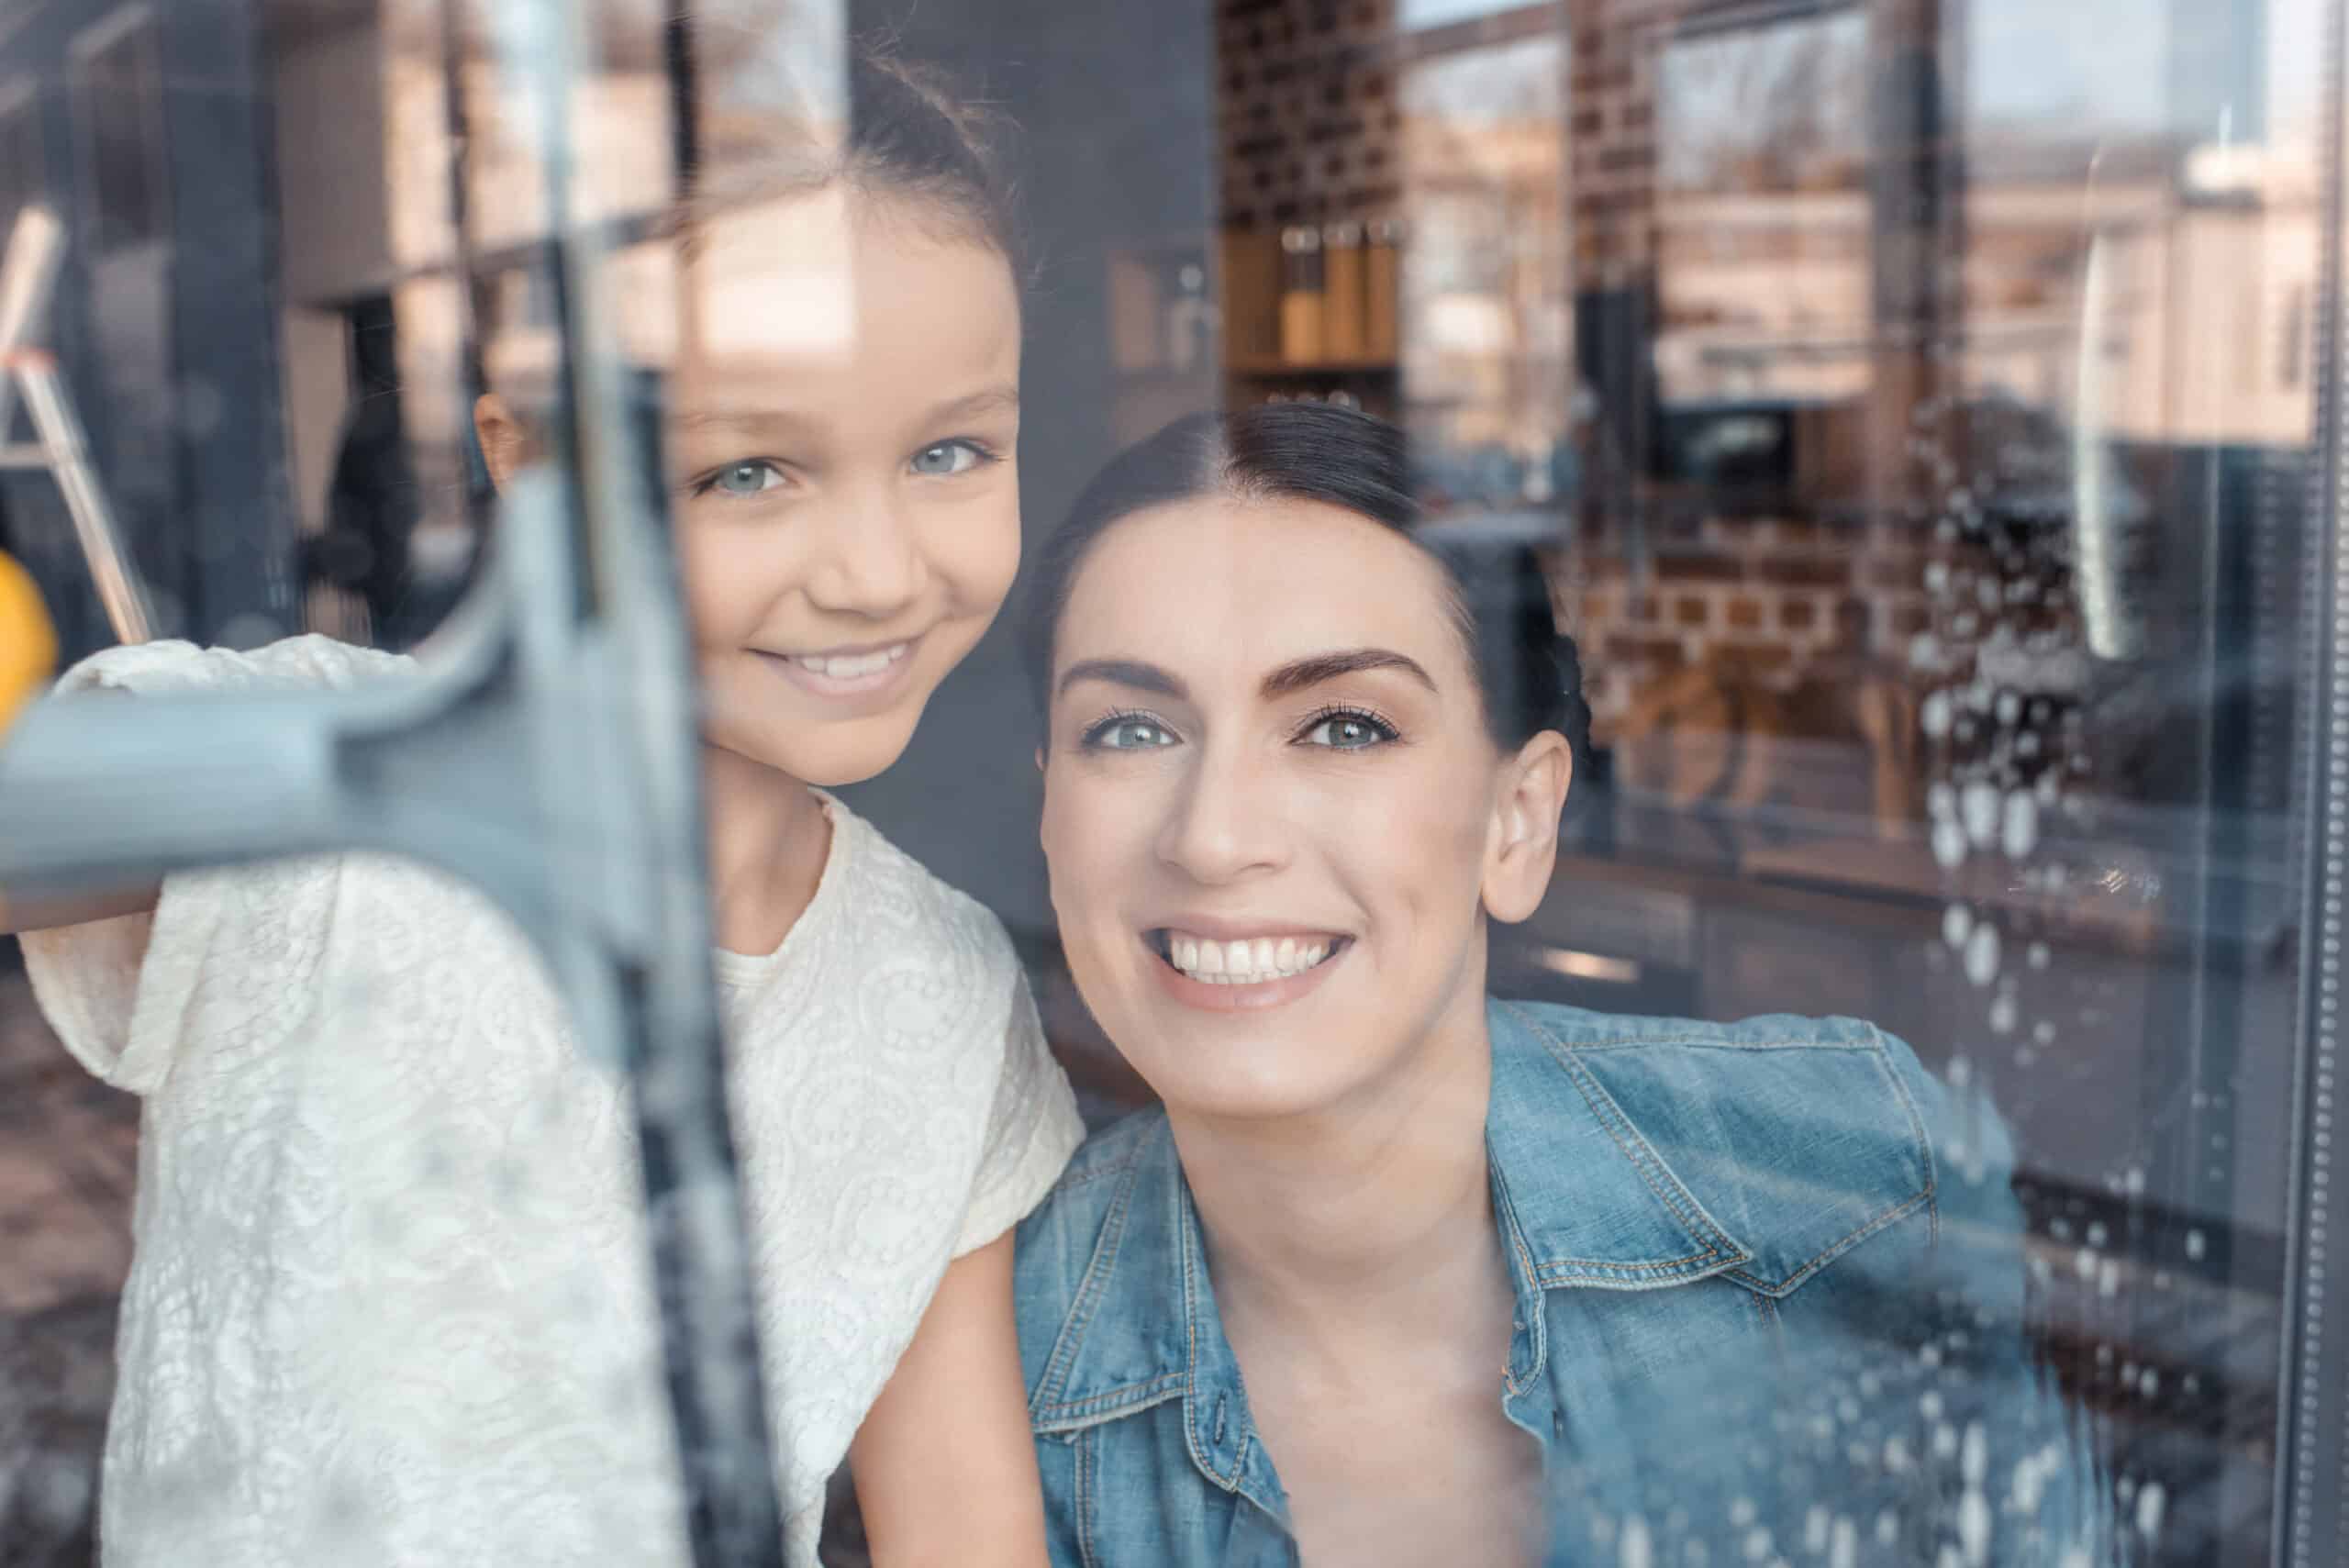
827	689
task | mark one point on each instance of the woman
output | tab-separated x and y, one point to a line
1402	1273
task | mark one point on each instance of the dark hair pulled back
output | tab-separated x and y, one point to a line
1529	674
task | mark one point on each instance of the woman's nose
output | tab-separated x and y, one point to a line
1225	824
869	562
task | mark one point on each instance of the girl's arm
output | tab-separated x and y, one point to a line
944	1465
50	914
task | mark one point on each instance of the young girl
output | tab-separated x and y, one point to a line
391	1302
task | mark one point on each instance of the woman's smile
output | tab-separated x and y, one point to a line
1223	966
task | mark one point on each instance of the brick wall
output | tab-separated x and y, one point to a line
1610	87
1308	122
1311	129
1777	596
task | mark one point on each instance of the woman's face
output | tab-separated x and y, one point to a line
1274	815
846	430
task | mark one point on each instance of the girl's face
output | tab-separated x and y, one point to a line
845	442
1275	816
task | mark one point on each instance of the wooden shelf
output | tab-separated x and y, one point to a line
1254	365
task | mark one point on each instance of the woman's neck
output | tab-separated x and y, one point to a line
768	841
1375	1215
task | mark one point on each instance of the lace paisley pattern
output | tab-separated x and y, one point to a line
390	1303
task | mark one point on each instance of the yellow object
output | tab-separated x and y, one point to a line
27	642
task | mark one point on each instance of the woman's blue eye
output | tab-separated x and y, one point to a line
948	458
744	478
1128	734
1348	732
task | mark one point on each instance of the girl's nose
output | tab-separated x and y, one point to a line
871	564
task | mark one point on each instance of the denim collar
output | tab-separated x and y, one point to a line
1583	1200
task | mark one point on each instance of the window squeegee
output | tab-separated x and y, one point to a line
545	752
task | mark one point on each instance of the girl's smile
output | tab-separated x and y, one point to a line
848	521
867	673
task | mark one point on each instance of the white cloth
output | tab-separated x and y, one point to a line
390	1302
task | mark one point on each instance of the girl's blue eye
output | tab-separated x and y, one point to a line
1128	732
948	458
744	478
1349	731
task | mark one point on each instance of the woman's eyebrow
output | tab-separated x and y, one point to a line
1124	672
1300	673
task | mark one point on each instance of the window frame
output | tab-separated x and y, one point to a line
133	25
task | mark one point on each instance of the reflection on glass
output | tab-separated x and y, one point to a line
1484	308
22	178
1946	625
1437	13
1762	220
1916	400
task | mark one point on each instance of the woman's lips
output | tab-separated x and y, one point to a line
1242	960
1242	973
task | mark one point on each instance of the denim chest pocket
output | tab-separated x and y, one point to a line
1126	1494
1796	1150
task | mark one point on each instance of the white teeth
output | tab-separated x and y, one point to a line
1245	963
849	666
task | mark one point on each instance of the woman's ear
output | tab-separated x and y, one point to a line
503	445
1526	807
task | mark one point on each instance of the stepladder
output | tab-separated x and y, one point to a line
59	446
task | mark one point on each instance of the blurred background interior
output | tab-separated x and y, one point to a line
1918	410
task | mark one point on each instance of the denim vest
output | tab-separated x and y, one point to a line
1769	1291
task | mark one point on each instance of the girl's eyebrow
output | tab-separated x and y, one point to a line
761	421
740	421
974	404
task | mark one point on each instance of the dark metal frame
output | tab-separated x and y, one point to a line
2313	1436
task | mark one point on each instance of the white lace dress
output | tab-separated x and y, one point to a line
390	1302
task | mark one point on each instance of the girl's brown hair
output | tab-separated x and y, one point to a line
910	139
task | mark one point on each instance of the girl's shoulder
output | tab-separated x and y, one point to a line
895	913
158	669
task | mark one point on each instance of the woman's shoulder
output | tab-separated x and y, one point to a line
1800	1136
1581	1028
1091	1265
1647	1059
1770	1073
1128	1162
1123	1149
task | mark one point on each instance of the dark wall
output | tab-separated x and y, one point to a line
1116	101
206	502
